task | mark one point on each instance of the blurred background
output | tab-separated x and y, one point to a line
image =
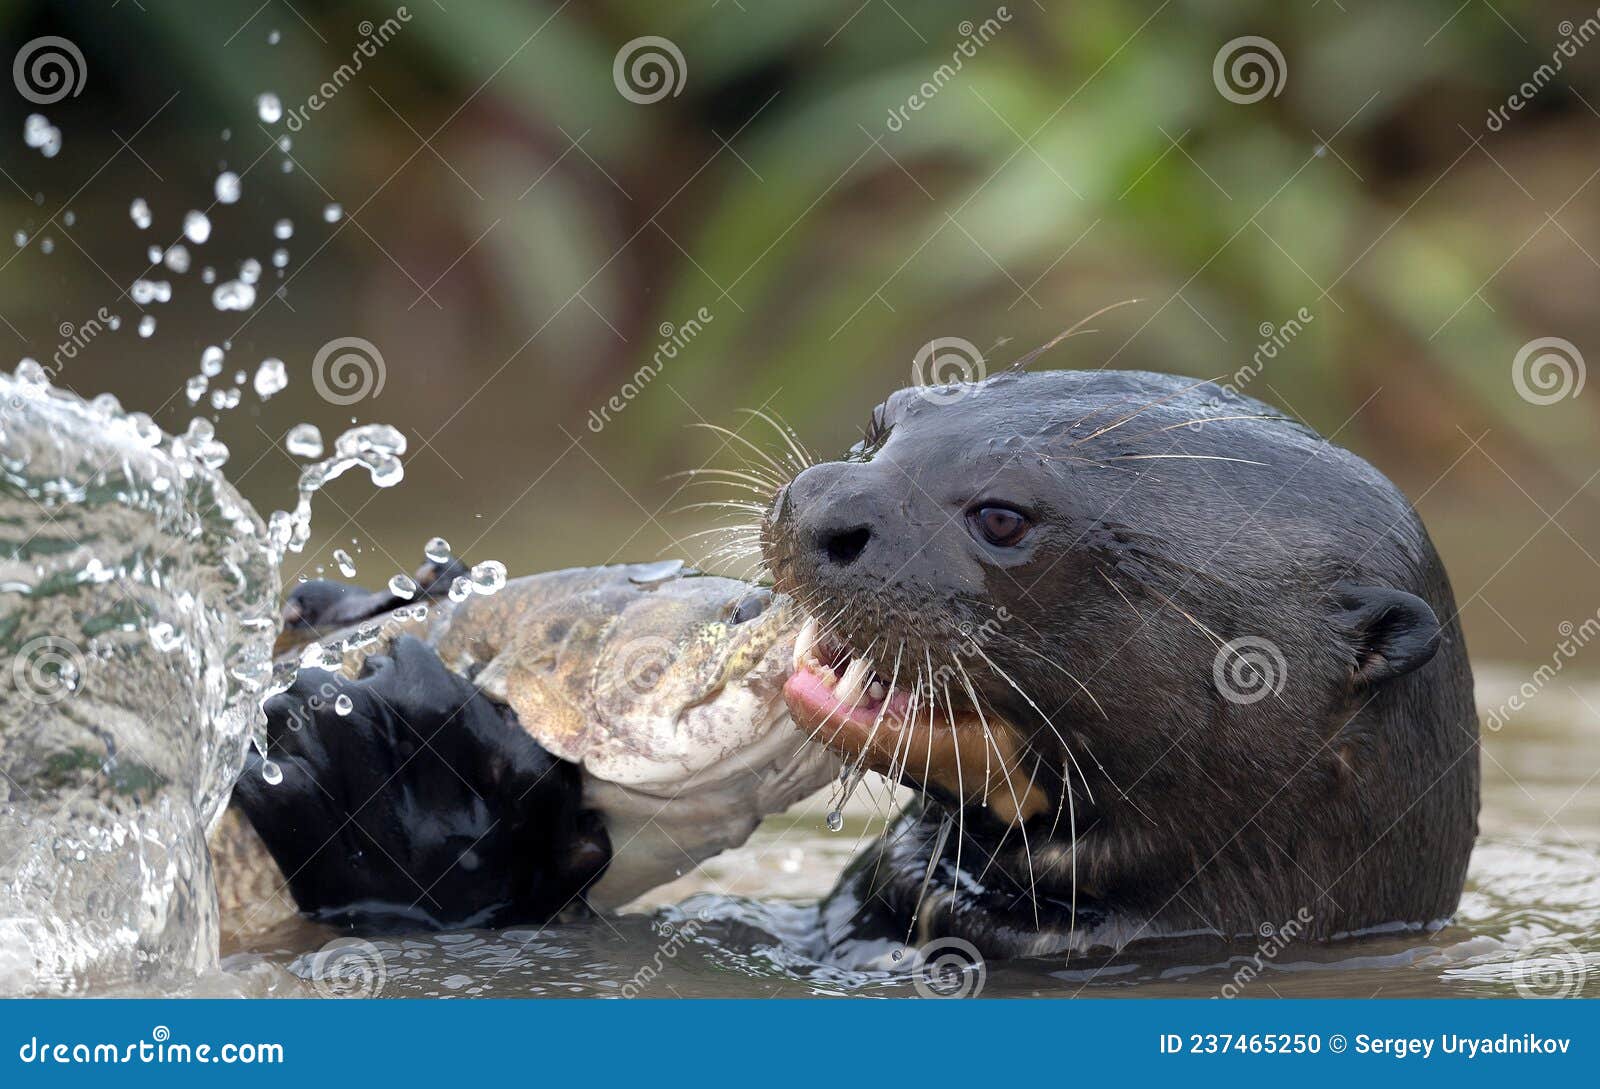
1375	215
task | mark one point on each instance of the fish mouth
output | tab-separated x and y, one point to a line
835	696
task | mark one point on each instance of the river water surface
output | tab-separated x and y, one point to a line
742	925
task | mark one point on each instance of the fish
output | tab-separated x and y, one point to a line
664	685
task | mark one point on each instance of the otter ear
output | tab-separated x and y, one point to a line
1390	632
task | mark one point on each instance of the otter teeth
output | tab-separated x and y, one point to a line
853	681
804	642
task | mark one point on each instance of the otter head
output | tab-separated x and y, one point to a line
1146	636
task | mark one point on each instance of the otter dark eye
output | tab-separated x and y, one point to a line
1000	526
750	606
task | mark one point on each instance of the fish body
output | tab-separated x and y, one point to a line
664	685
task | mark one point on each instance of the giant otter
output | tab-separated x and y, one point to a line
1173	662
1156	659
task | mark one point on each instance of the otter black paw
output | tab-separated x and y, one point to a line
408	799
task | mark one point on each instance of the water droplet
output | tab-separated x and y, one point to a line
283	230
280	258
304	441
437	549
40	133
273	37
195	388
211	361
177	259
249	271
331	213
269	108
197	226
271	773
342	704
403	586
34	129
227	187
347	566
47	245
488	577
20	238
233	295
898	955
271	377
835	820
139	212
147	325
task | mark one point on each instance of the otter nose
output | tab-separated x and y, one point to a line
842	547
833	512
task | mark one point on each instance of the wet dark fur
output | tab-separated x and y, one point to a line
426	806
1352	793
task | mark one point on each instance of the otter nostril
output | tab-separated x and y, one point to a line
844	547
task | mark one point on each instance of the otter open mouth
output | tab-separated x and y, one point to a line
836	697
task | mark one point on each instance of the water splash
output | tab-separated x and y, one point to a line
138	600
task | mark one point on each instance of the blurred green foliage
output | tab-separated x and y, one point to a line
521	231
